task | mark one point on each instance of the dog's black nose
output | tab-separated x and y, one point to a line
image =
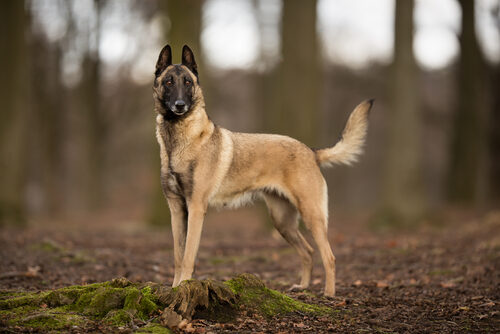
179	105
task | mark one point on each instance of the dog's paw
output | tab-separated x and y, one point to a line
297	288
329	294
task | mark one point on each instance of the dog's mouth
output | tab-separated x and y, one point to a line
179	110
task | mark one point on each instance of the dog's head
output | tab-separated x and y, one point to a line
176	86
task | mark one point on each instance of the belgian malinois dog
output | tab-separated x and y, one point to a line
205	165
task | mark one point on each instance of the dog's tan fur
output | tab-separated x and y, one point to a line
204	165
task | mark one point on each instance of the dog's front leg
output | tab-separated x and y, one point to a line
179	226
196	215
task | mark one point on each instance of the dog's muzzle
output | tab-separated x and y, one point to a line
179	107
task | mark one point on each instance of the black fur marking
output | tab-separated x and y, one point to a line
188	179
181	184
164	60
188	60
185	210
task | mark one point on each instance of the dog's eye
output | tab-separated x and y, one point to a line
169	83
188	82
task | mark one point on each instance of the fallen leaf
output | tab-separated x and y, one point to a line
33	271
183	324
489	304
357	283
448	285
382	284
342	303
171	319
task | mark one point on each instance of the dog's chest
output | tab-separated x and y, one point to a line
179	179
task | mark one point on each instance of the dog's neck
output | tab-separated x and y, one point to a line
195	127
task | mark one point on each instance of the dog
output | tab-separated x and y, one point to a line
205	165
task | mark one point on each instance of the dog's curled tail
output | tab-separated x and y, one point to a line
350	145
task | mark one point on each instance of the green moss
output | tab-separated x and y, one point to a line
104	300
13	301
80	257
147	292
153	328
65	296
48	246
139	304
36	318
253	294
18	312
118	318
12	293
59	252
441	272
117	303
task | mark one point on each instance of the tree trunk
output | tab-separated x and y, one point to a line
494	126
48	94
14	92
468	137
95	121
404	201
494	139
300	79
183	26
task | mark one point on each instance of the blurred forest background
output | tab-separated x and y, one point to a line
77	123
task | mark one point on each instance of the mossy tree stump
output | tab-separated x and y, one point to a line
122	303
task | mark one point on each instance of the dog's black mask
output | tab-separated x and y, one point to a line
177	84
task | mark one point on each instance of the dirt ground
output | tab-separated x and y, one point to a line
443	277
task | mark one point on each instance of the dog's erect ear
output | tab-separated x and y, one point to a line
188	60
164	60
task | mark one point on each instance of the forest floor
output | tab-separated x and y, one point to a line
441	277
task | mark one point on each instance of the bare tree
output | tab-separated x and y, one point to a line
494	129
94	117
14	92
48	98
299	74
468	127
404	200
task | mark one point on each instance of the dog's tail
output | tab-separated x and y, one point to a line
350	145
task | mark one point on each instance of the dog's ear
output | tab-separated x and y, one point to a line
188	60
164	60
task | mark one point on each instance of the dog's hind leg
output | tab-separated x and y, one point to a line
178	213
285	215
316	221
